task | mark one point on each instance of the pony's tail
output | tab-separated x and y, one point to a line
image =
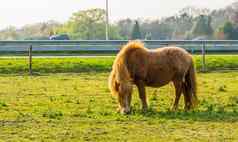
192	85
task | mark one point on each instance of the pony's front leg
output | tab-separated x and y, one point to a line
178	90
141	88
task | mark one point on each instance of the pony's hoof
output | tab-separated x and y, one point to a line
118	110
187	108
125	111
144	109
174	109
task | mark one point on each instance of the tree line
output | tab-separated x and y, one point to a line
188	23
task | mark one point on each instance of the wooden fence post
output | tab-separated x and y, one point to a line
30	60
203	57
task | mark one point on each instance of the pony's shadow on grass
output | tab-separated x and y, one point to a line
206	116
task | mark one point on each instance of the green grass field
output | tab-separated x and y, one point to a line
78	107
103	64
68	100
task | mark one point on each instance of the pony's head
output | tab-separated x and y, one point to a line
122	90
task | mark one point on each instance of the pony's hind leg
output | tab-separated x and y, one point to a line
187	97
141	88
178	92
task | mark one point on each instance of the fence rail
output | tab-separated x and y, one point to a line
202	47
115	45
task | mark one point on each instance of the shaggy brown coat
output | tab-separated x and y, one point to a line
137	65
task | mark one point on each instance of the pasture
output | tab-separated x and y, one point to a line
102	64
68	100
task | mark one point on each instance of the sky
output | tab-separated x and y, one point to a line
21	12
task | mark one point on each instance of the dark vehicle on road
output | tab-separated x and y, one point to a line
59	37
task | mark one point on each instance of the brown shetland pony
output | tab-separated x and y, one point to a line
137	65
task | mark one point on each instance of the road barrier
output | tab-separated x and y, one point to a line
202	47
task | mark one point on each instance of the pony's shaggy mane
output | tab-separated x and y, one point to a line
121	59
129	47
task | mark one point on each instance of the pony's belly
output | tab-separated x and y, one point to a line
158	78
158	83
